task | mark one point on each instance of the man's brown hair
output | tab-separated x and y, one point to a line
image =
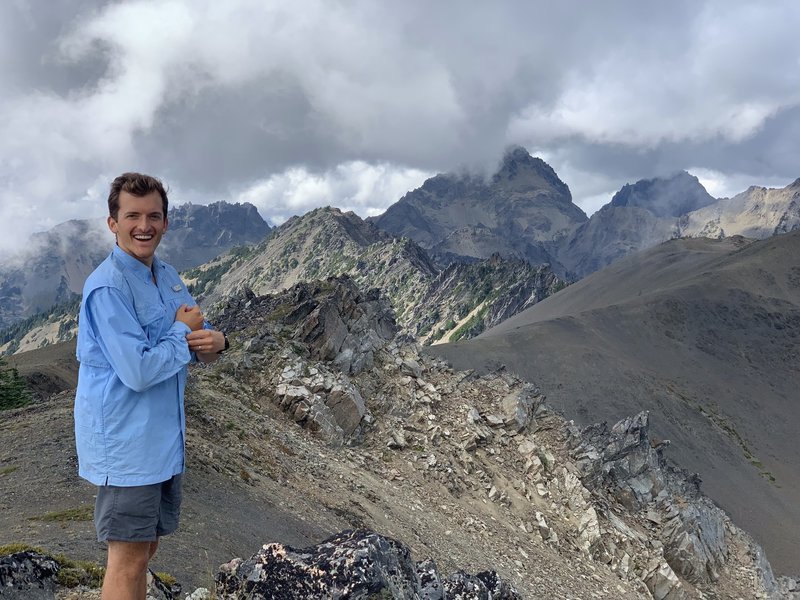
135	184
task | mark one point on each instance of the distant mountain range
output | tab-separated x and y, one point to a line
522	215
54	264
525	211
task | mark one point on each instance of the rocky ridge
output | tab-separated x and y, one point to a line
428	303
473	472
465	299
524	211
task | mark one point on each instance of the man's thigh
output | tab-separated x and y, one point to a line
138	513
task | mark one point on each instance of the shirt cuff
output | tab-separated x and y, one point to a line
181	325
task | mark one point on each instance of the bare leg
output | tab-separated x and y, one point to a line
126	573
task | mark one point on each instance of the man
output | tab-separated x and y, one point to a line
139	327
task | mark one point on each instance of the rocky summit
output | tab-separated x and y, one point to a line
639	216
422	471
517	212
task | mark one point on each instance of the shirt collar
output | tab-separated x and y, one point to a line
134	265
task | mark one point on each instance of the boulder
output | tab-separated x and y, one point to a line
28	576
357	564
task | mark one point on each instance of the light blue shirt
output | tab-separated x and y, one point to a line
129	418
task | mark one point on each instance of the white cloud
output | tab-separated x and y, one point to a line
356	186
214	96
727	185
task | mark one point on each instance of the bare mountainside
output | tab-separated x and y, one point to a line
639	216
703	333
757	212
320	419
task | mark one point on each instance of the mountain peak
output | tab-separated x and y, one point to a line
519	171
670	196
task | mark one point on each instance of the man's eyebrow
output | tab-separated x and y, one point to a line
132	213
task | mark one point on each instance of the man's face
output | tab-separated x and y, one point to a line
140	224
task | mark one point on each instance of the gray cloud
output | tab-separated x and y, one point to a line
245	99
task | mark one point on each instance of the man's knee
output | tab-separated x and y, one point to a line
129	558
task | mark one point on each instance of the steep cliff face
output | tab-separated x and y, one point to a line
197	233
516	213
671	196
611	233
466	299
652	211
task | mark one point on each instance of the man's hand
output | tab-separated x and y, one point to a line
191	316
206	343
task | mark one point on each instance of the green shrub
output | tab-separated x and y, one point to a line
13	391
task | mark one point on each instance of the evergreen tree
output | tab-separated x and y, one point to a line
13	391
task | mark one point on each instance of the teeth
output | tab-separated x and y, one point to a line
143	237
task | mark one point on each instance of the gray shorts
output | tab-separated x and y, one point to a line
141	513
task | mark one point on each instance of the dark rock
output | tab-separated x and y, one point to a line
28	576
352	564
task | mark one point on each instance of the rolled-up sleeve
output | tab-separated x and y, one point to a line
138	363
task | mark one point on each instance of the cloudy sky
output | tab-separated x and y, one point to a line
293	105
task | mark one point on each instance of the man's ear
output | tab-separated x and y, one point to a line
112	225
166	224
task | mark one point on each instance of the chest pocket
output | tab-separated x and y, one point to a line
152	318
173	298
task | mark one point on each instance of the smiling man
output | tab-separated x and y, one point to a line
139	328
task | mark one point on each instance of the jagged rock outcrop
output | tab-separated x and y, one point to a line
336	324
351	564
695	535
31	575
